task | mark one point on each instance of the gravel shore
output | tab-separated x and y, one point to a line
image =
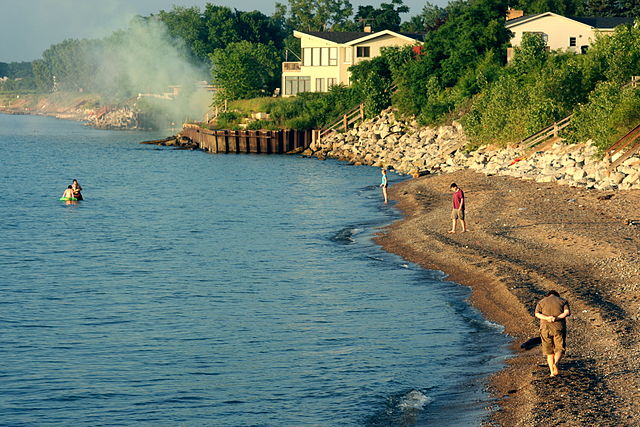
526	238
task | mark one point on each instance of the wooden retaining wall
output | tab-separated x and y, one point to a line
248	141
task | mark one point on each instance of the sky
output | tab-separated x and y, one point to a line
28	27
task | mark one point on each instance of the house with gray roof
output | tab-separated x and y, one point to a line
569	33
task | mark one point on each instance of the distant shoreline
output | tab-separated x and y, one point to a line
526	238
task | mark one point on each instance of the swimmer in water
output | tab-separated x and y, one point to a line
76	189
67	196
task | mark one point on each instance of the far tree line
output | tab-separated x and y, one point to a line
231	42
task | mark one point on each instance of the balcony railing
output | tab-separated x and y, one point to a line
291	66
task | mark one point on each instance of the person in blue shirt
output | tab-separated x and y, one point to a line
384	183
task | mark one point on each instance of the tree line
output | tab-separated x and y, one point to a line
462	73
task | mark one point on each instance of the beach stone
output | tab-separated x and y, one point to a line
616	177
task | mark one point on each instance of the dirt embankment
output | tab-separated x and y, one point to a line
526	238
71	106
88	108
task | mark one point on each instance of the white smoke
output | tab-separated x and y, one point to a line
145	60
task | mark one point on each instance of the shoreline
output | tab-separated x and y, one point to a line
526	238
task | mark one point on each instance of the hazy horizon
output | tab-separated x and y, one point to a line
29	27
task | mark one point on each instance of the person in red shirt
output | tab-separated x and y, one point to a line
457	214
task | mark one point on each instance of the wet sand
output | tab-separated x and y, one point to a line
526	238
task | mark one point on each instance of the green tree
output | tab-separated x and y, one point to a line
561	7
188	24
431	18
316	15
473	29
245	69
386	17
42	75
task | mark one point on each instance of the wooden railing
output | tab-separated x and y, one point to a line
291	66
552	131
343	123
215	111
624	148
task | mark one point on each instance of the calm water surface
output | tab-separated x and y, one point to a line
231	290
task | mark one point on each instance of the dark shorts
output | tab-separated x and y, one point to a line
457	214
553	341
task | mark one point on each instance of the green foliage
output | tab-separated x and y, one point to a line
562	7
372	79
539	87
580	7
218	26
246	70
531	93
442	79
609	114
386	17
16	70
261	125
617	57
316	15
431	18
314	110
228	120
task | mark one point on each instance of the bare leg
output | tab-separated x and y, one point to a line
384	193
453	226
464	225
556	358
553	369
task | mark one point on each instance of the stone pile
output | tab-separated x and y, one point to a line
409	149
121	118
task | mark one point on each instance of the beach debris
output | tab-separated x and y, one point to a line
633	222
605	197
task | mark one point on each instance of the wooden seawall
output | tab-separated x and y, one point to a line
249	141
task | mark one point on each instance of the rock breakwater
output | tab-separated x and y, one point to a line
388	141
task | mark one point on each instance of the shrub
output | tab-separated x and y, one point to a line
609	114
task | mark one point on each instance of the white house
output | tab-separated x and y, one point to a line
574	34
327	55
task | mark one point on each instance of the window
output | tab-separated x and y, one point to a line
333	56
306	57
316	56
572	42
319	85
545	36
330	82
296	84
319	56
363	52
348	55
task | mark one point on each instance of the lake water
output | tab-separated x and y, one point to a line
222	290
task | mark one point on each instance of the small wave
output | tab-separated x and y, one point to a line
498	327
414	400
345	236
484	324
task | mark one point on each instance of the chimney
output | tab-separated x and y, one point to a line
368	29
514	13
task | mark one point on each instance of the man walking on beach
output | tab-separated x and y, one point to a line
458	208
552	312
